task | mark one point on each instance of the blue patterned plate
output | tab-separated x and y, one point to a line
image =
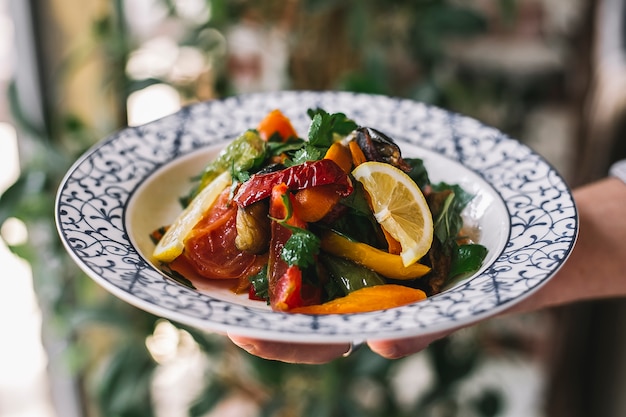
129	184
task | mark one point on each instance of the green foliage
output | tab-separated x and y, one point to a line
124	388
449	221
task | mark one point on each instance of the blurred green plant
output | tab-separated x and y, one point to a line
385	47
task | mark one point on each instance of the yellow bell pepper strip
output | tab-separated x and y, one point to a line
386	264
379	297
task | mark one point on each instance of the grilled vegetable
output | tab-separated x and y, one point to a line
253	228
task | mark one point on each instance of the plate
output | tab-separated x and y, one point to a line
128	185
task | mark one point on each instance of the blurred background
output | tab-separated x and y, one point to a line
551	73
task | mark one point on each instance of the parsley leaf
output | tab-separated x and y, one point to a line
260	284
238	175
325	125
302	246
307	153
277	148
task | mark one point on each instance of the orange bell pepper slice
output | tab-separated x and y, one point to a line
379	297
341	155
314	203
275	122
358	157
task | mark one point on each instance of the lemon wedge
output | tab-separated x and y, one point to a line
172	243
399	207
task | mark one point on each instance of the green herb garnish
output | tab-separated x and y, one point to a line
302	246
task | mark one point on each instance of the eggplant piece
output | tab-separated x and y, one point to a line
253	228
377	146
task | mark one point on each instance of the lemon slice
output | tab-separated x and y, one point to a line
399	207
172	243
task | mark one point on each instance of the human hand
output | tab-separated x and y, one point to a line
314	353
291	352
400	348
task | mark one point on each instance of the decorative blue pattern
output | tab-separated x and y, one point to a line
92	205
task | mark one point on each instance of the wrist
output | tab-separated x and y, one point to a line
618	170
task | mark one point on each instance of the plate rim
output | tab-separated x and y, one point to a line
287	337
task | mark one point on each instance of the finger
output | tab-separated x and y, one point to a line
399	348
291	352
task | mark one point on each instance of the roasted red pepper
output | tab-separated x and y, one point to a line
286	288
297	177
252	295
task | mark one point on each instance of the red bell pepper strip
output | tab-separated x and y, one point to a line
252	295
297	177
286	288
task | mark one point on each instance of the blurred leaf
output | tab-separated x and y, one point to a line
447	20
22	199
451	366
371	79
508	10
364	362
358	24
434	23
17	113
490	403
124	386
113	313
427	91
208	398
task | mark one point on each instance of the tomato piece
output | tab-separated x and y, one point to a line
210	249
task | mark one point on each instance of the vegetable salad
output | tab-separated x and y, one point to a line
337	222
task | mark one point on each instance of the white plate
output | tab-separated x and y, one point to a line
129	184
